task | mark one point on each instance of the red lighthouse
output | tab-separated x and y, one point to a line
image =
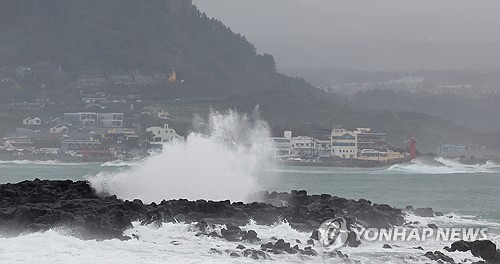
413	146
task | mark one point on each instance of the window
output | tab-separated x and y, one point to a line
344	137
344	144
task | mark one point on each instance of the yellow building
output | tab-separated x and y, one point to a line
374	155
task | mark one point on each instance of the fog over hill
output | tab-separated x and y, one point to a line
331	42
369	35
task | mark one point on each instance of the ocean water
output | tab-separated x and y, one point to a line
227	160
467	196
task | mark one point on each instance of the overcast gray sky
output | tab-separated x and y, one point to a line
368	34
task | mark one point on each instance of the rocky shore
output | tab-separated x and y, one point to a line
33	206
38	205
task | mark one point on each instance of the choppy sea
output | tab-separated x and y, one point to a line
467	195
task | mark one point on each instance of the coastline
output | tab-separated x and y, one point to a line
342	163
337	163
38	206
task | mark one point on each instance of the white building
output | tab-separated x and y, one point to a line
32	121
164	134
110	119
91	80
324	148
282	145
162	115
344	144
287	134
121	80
94	119
303	146
367	139
58	129
80	144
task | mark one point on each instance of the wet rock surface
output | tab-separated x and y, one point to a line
38	205
439	256
422	212
309	211
484	249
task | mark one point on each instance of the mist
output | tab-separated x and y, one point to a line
218	164
368	35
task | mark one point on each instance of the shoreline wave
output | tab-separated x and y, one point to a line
41	162
443	166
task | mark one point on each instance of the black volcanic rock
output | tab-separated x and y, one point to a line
424	212
439	256
484	249
323	207
250	236
40	205
231	233
282	247
255	254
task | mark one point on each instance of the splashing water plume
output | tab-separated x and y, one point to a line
218	164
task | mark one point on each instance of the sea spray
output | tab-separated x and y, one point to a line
218	163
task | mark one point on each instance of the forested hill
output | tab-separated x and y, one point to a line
128	35
148	35
116	36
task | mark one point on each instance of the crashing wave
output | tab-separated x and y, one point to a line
217	163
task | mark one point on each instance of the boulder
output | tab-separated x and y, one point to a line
433	226
439	256
250	236
240	247
424	212
231	233
484	249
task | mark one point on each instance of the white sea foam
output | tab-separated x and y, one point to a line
177	243
218	163
443	166
38	162
454	220
119	163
